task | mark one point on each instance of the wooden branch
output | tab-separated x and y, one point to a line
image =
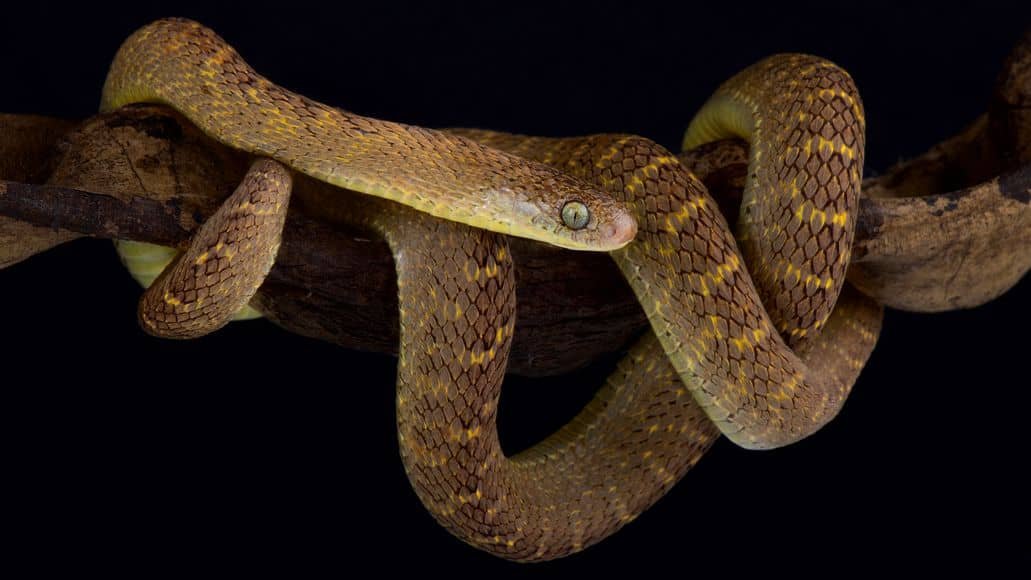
144	173
26	147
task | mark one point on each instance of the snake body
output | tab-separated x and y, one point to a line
716	361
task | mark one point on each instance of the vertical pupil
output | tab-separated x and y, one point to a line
575	215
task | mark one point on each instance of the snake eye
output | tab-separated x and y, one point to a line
575	215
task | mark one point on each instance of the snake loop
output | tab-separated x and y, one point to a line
716	360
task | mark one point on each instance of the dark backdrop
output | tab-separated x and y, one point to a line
121	445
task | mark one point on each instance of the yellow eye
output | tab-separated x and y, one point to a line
575	215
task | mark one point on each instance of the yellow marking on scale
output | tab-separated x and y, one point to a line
715	326
741	343
613	150
705	286
477	359
822	143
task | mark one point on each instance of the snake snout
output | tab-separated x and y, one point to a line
618	231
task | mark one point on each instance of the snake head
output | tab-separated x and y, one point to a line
595	222
566	212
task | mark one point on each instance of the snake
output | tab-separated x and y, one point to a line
753	335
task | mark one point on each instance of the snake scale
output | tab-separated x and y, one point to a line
759	342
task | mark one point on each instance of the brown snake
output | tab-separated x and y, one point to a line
717	359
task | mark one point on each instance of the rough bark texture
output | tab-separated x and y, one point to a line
26	148
144	173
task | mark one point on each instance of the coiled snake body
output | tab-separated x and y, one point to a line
716	361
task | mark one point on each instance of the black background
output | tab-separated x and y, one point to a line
254	448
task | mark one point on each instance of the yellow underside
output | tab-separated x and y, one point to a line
145	263
722	117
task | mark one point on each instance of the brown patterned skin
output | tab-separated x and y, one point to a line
841	347
226	261
638	436
805	122
713	363
185	65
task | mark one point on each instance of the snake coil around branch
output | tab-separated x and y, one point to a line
616	457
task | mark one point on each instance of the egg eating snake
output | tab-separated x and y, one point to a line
717	360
